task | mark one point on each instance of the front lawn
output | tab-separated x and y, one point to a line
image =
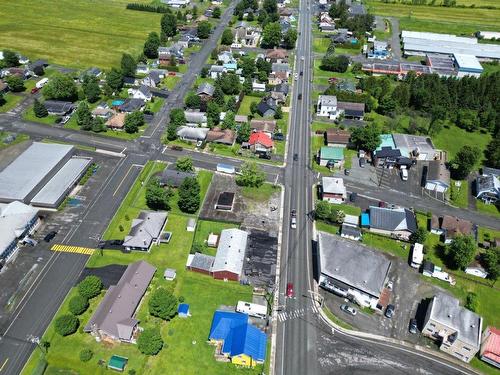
459	195
11	101
170	82
488	209
260	194
386	244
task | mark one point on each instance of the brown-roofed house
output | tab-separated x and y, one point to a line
240	119
277	55
225	137
277	78
117	121
265	126
337	137
449	227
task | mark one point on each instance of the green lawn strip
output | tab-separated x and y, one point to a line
459	196
347	51
348	155
386	244
156	105
204	178
279	147
322	126
29	115
260	194
19	139
132	204
11	101
488	209
454	138
171	81
488	232
320	44
335	319
484	367
327	227
206	227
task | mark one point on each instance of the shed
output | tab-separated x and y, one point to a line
428	268
169	274
365	220
183	310
351	232
212	240
351	220
117	362
191	225
225	201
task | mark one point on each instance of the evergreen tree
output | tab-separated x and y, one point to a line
128	65
39	109
151	45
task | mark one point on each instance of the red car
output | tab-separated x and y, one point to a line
171	74
34	90
289	290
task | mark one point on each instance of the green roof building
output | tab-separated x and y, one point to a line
331	156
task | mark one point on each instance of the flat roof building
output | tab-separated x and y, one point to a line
468	65
230	254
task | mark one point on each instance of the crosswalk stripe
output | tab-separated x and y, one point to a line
72	249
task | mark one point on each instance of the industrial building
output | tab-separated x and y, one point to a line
42	175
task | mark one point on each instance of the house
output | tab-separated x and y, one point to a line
103	112
331	156
221	136
116	121
200	263
145	230
167	55
190	134
231	66
380	50
267	107
153	79
196	118
132	105
176	3
485	171
173	178
449	227
437	178
169	274
278	97
266	126
238	340
241	119
337	137
114	318
142	92
216	71
129	81
327	106
205	91
277	55
228	264
327	27
356	9
285	25
260	143
226	57
282	88
247	36
142	69
225	202
58	108
488	188
333	190
257	86
490	346
281	68
17	221
351	270
94	72
275	78
351	110
398	223
457	330
386	157
476	269
351	232
415	146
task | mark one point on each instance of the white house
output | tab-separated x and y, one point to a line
216	70
257	86
327	107
333	190
142	93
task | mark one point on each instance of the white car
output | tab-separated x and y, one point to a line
296	76
293	223
404	174
302	58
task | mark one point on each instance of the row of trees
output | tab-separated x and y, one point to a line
358	24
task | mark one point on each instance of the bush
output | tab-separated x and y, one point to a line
471	302
66	324
149	8
163	304
150	341
86	355
78	305
90	287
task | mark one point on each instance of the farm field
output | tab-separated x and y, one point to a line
78	33
440	19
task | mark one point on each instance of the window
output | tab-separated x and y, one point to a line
466	348
432	325
430	330
459	355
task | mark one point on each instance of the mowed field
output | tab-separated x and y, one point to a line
76	33
440	19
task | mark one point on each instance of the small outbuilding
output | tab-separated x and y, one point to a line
191	225
183	310
212	240
225	201
117	362
169	274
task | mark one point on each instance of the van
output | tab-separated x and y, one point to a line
41	83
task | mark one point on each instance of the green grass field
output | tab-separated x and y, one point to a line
454	138
459	195
76	33
488	209
204	228
11	101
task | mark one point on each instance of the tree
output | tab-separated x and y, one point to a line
189	195
10	58
227	37
250	16
216	12
228	122
184	164
194	11
419	236
243	134
213	112
401	95
128	65
472	302
322	210
204	72
91	89
157	198
133	121
61	87
162	304
90	287
253	107
98	125
263	65
218	96
168	25
335	63
193	101
38	70
262	17
247	67
278	114
114	79
83	116
78	305
366	138
387	105
464	161
271	36
468	119
66	324
263	76
151	45
39	109
15	83
460	252
290	38
149	341
492	262
231	104
251	175
270	6
204	29
86	355
229	83
177	117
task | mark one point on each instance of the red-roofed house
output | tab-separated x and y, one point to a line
260	142
490	346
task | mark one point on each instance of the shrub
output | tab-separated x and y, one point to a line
90	287
66	324
471	302
163	304
86	355
78	305
150	341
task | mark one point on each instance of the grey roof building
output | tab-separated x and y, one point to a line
348	268
173	177
199	262
131	105
488	170
230	255
415	146
195	117
205	89
438	177
488	188
58	108
145	230
115	316
400	222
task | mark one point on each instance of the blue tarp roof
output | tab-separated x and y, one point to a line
239	337
183	308
365	220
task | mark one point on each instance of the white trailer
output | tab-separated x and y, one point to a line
252	309
417	256
226	168
41	83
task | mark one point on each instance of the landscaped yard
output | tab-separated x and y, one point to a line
245	104
459	195
386	244
11	100
76	33
488	209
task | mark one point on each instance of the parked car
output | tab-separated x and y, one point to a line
347	171
389	311
413	326
296	76
301	73
34	90
289	290
348	309
362	162
404	174
30	241
353	197
49	236
382	204
65	119
172	74
176	148
293	223
278	137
